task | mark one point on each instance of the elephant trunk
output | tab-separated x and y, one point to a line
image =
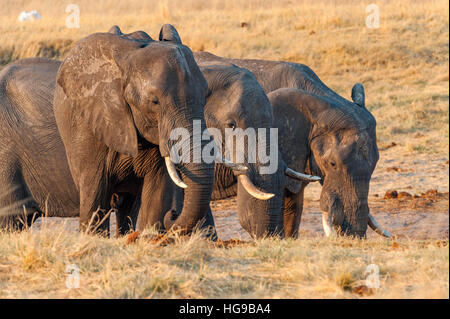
197	180
346	209
357	210
262	217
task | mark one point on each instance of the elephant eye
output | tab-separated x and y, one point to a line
155	100
231	124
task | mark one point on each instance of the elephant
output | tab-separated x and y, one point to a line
323	137
34	174
235	101
273	75
91	133
344	204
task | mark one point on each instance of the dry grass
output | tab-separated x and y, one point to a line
404	67
403	64
33	264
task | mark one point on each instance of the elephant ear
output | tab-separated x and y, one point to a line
137	35
115	30
93	85
358	95
169	33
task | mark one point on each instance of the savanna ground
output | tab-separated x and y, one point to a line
404	67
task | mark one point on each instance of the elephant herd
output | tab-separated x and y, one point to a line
93	134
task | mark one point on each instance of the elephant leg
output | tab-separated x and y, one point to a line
208	226
293	208
156	200
126	212
94	206
17	209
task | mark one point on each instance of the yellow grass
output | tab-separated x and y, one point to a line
404	67
34	264
403	64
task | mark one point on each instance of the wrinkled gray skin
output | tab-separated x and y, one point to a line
33	165
236	100
117	97
335	148
113	95
321	136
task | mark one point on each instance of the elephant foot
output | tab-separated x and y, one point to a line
169	218
206	225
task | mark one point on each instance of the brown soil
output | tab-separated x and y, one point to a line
408	197
418	218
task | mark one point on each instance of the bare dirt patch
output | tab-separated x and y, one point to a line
415	219
411	200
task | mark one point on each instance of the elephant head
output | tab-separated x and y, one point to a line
122	88
340	139
239	111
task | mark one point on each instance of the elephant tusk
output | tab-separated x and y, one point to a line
171	169
231	165
377	228
327	223
300	176
252	190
